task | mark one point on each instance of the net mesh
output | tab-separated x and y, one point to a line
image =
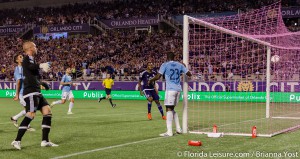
228	59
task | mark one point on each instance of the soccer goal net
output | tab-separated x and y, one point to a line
245	73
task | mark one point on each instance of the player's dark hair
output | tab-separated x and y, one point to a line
170	55
16	57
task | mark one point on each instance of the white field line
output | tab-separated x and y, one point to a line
106	148
74	116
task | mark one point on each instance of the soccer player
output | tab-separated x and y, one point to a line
19	78
33	97
150	91
172	71
66	81
107	84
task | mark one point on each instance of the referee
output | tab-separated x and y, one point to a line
107	83
33	97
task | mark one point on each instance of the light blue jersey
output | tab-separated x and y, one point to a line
172	71
66	78
18	75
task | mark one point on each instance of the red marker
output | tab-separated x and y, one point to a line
254	134
194	143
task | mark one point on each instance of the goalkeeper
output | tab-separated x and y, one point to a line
33	97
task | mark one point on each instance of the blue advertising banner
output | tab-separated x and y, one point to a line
62	28
6	30
132	22
290	12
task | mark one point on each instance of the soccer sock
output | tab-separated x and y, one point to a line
71	106
22	113
110	100
23	128
176	120
149	107
160	109
46	125
169	121
102	98
57	102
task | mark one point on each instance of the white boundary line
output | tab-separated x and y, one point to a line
106	148
75	116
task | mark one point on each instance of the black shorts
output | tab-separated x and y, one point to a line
35	102
107	91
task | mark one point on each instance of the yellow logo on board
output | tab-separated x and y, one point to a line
245	86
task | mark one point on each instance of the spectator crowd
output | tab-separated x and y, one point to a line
83	13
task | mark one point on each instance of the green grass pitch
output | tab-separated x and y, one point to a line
100	131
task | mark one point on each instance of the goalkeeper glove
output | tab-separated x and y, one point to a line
45	85
45	66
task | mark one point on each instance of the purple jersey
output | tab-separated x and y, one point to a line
145	76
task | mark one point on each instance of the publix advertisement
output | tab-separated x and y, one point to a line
238	91
193	96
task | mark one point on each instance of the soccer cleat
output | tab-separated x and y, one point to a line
149	116
48	144
179	131
69	113
16	144
30	129
14	122
99	100
166	134
164	117
51	105
114	105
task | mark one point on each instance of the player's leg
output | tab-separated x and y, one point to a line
31	104
150	100
71	97
170	102
15	118
62	101
101	98
169	121
156	99
108	96
148	95
46	123
175	115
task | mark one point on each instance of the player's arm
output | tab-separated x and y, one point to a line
66	83
157	77
18	87
155	88
140	83
189	74
103	83
140	87
185	70
27	64
63	81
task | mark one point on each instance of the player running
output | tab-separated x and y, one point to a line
172	71
66	82
150	91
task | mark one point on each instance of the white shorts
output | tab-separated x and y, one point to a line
67	95
22	101
172	98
